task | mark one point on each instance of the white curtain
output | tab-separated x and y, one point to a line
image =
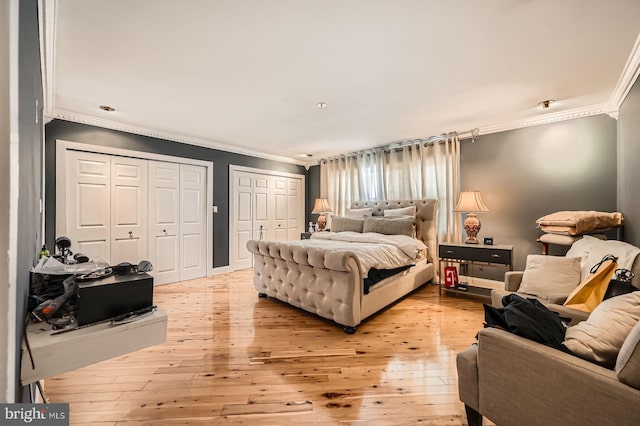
421	170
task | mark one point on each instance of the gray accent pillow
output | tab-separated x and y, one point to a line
389	226
342	224
628	363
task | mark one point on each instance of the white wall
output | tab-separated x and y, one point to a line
8	178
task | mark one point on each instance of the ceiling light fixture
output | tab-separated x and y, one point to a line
321	105
107	108
545	104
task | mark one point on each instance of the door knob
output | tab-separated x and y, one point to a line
130	234
164	230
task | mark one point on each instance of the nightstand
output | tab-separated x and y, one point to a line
305	235
470	254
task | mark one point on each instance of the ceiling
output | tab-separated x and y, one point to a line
246	75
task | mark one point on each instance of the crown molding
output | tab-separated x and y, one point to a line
139	130
547	118
627	78
47	17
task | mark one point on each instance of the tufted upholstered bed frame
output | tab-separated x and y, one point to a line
329	283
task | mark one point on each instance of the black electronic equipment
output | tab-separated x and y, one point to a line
113	295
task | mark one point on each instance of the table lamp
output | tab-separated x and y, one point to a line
471	202
321	207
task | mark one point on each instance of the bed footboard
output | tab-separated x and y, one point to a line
320	281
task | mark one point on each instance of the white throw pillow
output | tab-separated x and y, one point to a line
545	276
359	213
592	250
601	336
404	211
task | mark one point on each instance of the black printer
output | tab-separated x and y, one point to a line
101	299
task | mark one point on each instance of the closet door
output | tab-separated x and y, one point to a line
242	221
128	210
164	221
193	215
88	203
262	228
279	214
295	219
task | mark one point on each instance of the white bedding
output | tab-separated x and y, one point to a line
372	250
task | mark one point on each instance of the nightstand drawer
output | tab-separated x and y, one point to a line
480	253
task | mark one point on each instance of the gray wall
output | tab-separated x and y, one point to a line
527	173
74	132
629	164
30	163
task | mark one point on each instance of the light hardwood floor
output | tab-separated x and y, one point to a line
233	358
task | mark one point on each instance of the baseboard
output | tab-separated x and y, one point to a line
220	270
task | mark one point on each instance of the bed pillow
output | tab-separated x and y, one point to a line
600	337
546	276
404	211
343	224
390	226
358	213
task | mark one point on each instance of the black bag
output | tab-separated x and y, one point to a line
617	287
527	318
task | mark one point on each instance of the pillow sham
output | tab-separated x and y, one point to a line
403	211
390	226
545	276
358	213
343	224
600	337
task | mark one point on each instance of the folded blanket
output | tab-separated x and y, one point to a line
579	222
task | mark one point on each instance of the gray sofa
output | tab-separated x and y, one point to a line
512	282
515	381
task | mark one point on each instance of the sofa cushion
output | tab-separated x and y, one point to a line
601	336
550	277
628	362
342	224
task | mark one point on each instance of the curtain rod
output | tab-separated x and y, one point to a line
473	134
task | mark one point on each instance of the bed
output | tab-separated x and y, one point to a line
330	283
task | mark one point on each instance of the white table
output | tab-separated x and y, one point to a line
55	354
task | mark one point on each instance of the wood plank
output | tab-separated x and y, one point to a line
273	408
234	359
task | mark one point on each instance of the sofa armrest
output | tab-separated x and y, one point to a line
512	280
467	366
521	379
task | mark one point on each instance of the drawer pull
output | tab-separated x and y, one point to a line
449	252
495	256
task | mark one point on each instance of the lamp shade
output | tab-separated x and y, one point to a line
321	206
471	201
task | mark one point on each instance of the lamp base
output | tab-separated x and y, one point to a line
322	222
472	227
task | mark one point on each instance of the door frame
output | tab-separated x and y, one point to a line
62	146
233	169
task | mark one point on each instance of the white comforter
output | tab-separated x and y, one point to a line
372	250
